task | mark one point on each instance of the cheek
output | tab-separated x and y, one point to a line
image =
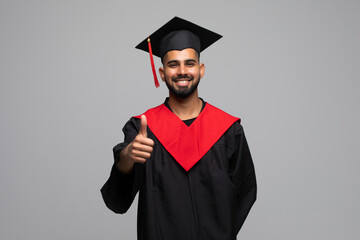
169	74
194	72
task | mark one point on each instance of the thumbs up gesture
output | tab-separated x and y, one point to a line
143	126
138	150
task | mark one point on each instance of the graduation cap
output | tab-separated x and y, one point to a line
177	34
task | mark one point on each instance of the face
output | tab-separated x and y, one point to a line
182	72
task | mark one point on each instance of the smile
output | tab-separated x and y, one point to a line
182	82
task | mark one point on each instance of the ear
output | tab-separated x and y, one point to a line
202	70
162	73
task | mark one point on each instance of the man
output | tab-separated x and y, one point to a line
188	160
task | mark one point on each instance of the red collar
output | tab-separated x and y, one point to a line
188	144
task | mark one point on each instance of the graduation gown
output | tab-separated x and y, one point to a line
208	200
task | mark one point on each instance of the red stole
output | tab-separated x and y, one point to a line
188	144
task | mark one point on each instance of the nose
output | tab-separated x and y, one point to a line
181	69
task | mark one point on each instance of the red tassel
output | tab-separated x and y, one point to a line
152	64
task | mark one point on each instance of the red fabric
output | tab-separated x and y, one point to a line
188	144
152	64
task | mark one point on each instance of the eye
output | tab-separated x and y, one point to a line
172	65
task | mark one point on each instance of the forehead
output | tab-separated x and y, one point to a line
181	55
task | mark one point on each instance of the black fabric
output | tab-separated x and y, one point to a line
169	37
179	40
188	122
210	202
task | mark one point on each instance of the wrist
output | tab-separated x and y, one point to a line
124	164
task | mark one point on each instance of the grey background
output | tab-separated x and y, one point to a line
70	79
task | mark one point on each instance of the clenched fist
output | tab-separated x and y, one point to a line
138	150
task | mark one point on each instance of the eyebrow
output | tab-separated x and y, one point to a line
177	61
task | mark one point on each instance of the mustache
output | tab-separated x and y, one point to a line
182	77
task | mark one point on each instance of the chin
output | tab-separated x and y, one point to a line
183	92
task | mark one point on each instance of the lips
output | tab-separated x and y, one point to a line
182	79
182	83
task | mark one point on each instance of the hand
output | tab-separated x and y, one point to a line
140	148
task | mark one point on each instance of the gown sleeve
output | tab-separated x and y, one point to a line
120	189
242	174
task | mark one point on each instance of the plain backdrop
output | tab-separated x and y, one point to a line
70	77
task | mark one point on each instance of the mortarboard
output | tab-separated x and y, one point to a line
177	34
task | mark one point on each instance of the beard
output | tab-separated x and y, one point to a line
183	92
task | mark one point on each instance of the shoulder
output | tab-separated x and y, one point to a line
236	128
153	110
220	114
133	124
134	121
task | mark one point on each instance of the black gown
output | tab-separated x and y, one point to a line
210	201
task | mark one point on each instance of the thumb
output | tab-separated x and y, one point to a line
143	126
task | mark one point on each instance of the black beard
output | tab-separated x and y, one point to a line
182	92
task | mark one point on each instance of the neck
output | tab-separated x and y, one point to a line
186	108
